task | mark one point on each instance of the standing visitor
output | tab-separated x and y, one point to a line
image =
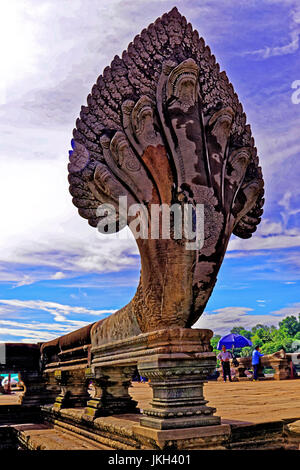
256	355
225	356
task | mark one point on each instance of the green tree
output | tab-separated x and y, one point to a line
246	351
297	336
263	334
240	330
290	326
214	342
274	346
259	326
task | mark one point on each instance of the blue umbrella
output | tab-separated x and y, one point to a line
232	340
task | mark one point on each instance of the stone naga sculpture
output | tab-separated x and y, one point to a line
163	125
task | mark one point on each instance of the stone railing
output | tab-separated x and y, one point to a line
162	127
277	361
25	359
176	361
65	361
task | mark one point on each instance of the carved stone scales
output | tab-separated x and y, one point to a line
163	125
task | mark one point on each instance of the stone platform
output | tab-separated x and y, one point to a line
66	431
269	421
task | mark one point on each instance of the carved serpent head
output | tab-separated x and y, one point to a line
163	125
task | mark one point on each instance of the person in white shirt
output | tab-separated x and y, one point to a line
225	356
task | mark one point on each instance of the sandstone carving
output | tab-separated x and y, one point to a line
163	125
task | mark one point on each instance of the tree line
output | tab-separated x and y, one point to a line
270	339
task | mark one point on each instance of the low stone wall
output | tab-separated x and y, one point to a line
176	361
277	361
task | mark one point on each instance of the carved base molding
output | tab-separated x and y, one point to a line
175	360
177	383
111	393
35	393
73	387
124	433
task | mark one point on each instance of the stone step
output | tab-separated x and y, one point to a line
32	436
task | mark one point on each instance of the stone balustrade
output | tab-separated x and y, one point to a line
25	359
176	361
277	361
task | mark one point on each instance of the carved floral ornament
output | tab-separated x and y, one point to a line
163	125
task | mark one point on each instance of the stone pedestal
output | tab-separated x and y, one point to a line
175	360
73	385
111	392
277	361
52	386
35	393
282	370
177	383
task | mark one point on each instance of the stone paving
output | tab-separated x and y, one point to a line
236	403
253	402
243	401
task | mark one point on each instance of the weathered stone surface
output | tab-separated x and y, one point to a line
73	385
163	125
111	397
277	361
294	428
176	361
177	383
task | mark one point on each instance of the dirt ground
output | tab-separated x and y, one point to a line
242	401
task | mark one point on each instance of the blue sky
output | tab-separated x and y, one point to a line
56	272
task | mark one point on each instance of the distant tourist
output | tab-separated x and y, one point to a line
256	355
225	356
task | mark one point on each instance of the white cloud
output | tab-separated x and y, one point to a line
289	48
58	275
268	227
294	34
62	47
287	240
37	331
222	320
27	335
56	309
